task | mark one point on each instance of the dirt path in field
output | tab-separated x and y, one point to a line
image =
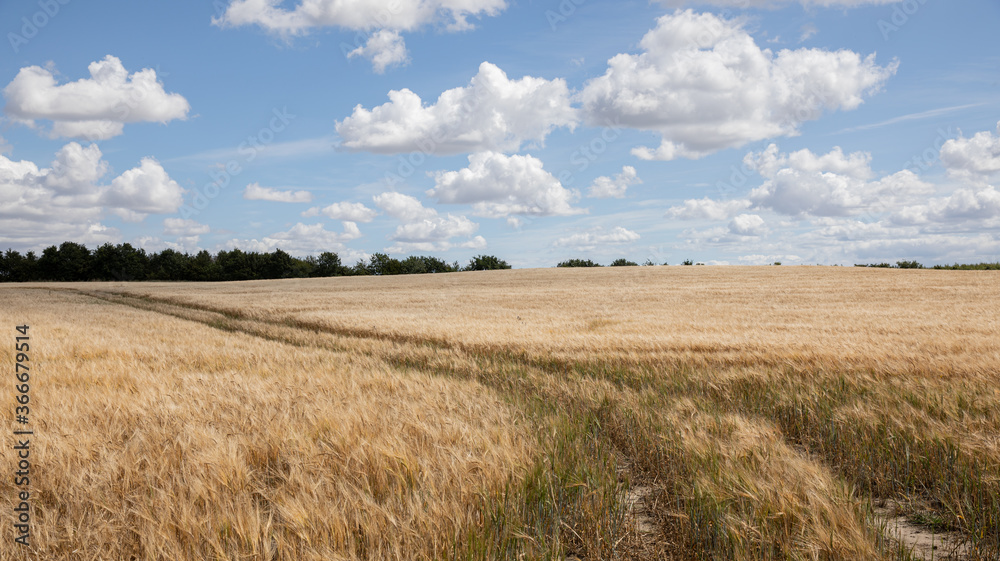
640	501
921	541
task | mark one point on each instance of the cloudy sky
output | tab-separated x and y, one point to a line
725	131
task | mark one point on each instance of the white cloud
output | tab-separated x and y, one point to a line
183	244
808	30
403	207
382	14
710	209
435	229
965	208
491	113
355	212
978	156
423	229
849	239
596	237
832	184
748	225
70	190
301	239
76	169
774	3
498	185
66	201
375	16
254	192
146	189
607	187
759	259
384	48
845	212
704	85
94	108
184	227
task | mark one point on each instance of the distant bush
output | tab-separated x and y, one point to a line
486	263
623	263
971	267
578	263
688	262
898	265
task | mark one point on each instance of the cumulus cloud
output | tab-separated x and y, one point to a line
76	169
704	85
423	229
748	225
301	239
383	14
605	187
978	156
68	199
844	211
832	184
497	186
970	206
354	212
384	48
146	189
254	192
774	3
708	209
491	113
597	237
384	19
94	108
184	227
758	259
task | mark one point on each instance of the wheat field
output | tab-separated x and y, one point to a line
619	413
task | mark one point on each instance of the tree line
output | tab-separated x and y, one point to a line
72	262
955	267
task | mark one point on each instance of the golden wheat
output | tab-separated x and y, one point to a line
689	413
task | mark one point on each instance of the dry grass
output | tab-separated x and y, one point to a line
165	439
509	414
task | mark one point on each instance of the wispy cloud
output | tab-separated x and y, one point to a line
277	150
910	117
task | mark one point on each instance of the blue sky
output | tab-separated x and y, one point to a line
731	131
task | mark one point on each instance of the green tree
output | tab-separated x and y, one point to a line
382	264
120	262
69	262
171	265
204	267
234	265
276	265
578	263
328	265
486	263
623	263
15	267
